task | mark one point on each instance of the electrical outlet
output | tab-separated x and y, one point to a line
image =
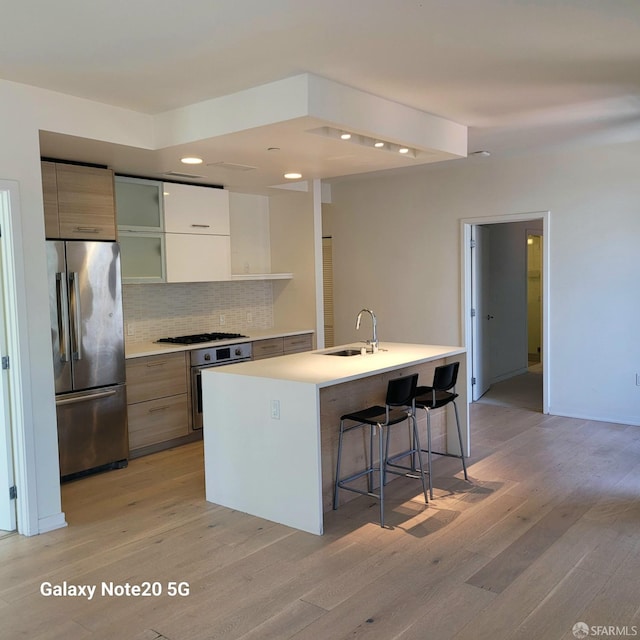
275	409
222	318
131	330
249	317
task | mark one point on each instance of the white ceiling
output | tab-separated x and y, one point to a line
521	74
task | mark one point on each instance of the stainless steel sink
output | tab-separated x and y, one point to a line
343	352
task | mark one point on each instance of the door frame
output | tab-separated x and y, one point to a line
466	225
20	401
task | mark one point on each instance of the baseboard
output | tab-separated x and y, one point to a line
624	420
511	374
50	523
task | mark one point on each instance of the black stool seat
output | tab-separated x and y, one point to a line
376	415
433	398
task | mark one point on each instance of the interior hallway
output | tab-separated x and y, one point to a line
523	391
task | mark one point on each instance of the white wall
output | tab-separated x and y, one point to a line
396	241
23	112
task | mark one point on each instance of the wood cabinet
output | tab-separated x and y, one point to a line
78	202
158	400
271	347
296	344
50	198
268	348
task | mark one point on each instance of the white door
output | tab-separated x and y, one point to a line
7	502
481	353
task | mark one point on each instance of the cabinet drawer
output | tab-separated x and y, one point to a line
154	377
158	420
193	209
294	344
267	348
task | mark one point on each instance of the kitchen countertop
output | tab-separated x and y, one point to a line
141	349
321	370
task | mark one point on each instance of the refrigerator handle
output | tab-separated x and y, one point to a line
76	316
63	319
85	397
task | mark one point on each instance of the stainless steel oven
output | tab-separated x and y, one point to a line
212	357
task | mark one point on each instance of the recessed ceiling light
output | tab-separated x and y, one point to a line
191	160
293	176
345	136
378	144
403	150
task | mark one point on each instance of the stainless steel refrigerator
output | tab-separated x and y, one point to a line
85	302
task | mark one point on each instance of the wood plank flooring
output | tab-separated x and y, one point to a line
546	534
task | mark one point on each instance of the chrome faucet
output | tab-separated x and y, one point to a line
374	340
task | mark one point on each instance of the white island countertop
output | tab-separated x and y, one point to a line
322	370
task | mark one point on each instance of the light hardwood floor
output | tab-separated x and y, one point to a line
546	534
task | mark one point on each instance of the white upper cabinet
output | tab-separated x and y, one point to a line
195	209
197	258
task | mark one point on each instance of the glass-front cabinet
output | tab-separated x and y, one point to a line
139	212
139	204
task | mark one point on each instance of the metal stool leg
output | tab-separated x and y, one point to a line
464	464
382	464
336	486
429	453
416	438
370	466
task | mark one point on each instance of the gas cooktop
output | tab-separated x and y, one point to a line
201	337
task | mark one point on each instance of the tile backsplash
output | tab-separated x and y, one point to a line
153	311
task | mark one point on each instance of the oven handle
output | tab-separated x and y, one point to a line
196	388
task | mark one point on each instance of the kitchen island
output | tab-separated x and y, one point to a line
271	426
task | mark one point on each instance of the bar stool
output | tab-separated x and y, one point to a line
439	394
398	408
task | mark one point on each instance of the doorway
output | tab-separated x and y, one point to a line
7	485
496	310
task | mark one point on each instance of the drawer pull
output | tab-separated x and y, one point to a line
162	408
201	226
88	229
157	364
